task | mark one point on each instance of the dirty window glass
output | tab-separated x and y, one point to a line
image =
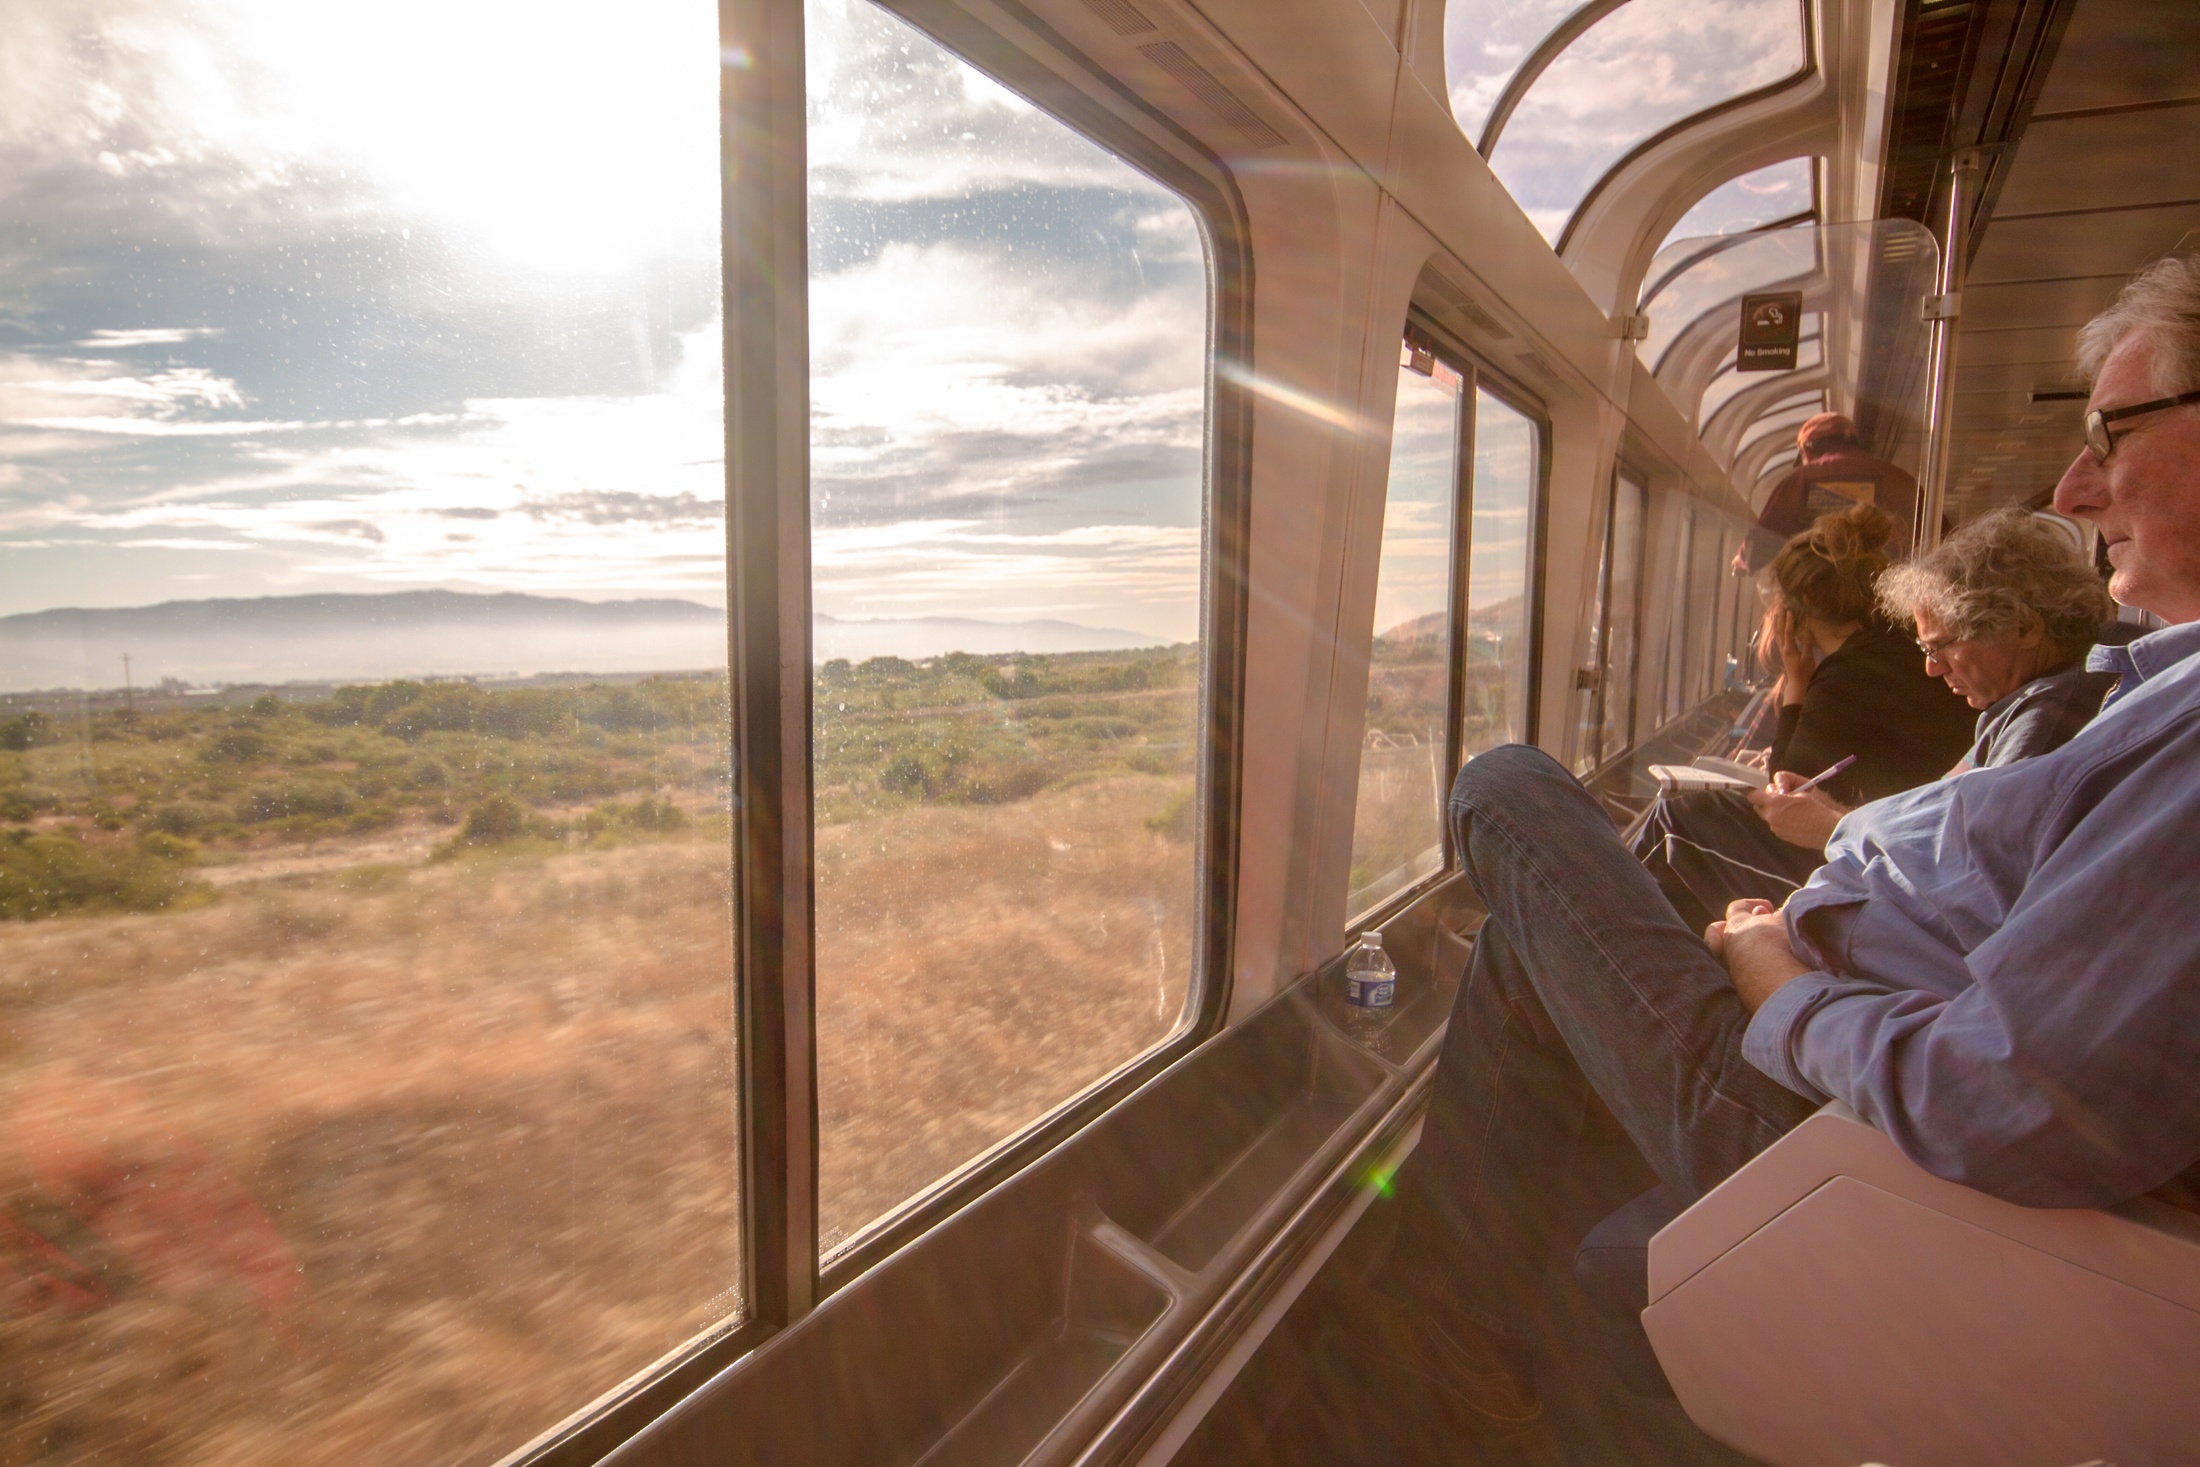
1645	66
365	922
1398	823
1008	332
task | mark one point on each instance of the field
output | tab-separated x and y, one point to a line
366	1073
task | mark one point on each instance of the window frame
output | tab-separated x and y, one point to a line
764	288
1422	331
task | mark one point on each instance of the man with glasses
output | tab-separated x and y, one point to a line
2000	970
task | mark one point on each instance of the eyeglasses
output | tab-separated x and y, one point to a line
1939	648
2101	443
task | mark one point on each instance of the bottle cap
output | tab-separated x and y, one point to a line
1371	938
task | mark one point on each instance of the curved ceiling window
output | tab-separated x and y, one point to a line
1785	193
1485	44
1637	70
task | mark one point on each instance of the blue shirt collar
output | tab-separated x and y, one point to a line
2149	657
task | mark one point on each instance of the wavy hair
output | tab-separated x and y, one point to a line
1830	570
2000	575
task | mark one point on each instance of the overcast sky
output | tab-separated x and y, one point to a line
291	301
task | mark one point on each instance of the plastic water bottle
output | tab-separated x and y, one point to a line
1370	978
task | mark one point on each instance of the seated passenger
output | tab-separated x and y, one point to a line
2005	611
2001	971
1851	682
1834	474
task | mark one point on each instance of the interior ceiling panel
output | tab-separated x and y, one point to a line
2072	303
2102	160
2097	175
2057	248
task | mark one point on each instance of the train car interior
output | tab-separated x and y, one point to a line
706	711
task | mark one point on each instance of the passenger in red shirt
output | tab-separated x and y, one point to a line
1835	474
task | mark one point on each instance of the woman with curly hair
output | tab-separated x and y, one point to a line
1852	686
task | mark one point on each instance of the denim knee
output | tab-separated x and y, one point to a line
1501	774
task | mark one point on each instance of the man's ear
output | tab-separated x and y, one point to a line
2033	632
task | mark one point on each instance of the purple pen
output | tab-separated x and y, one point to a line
1818	779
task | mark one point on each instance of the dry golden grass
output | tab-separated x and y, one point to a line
979	965
405	1163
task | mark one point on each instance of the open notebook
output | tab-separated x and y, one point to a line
1709	773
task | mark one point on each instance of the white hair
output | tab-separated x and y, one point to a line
2163	303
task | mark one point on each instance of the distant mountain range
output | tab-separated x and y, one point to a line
278	639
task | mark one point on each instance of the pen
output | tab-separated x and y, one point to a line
1818	779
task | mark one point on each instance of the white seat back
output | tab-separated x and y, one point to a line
1832	1303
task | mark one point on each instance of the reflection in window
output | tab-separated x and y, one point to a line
1784	191
1007	334
1676	630
1647	65
364	879
1729	384
1622	600
1496	657
1484	43
1398	823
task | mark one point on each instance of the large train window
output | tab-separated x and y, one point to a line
1426	659
364	872
1589	95
1007	355
1406	739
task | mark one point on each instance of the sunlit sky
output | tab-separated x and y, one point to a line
291	301
1646	65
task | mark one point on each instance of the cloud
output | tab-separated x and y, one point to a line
622	507
111	340
1648	64
475	340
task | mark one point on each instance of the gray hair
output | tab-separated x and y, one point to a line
1999	575
2162	302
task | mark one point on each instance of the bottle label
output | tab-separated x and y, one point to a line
1369	991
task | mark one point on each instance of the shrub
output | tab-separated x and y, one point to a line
236	746
1173	821
185	817
494	821
48	875
27	731
314	798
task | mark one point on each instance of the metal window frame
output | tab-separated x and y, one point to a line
763	152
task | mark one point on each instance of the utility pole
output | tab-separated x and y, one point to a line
129	694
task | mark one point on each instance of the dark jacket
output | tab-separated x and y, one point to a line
1872	697
1830	485
2042	715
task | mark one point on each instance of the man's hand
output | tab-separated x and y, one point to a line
1753	943
1805	819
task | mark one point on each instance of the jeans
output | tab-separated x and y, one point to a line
1706	848
1585	987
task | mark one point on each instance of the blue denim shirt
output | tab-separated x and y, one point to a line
2009	959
